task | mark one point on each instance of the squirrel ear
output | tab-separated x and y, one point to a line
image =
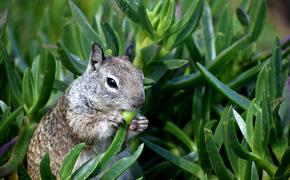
130	52
97	54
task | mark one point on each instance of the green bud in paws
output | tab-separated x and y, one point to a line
128	116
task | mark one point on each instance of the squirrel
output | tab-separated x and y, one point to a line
89	111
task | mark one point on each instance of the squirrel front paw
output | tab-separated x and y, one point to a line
138	124
115	119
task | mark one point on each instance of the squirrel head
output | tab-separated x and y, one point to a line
109	83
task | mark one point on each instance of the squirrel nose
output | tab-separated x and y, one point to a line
137	101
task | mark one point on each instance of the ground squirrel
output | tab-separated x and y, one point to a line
89	112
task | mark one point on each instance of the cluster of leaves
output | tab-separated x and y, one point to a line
218	108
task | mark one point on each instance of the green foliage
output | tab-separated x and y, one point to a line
218	107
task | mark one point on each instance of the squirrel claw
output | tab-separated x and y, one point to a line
139	124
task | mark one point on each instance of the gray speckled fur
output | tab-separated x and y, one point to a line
90	112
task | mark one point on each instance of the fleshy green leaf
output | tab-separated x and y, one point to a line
114	148
223	58
10	73
254	172
234	143
149	53
69	61
231	94
3	21
258	18
111	39
283	170
179	134
174	63
122	165
44	168
27	89
177	38
86	169
241	123
189	16
215	158
148	81
8	119
276	71
184	164
208	33
84	26
243	17
167	17
224	30
69	161
219	132
19	150
46	85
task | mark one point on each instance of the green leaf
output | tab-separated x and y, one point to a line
241	123
149	53
259	146
60	85
208	33
46	86
114	148
219	132
201	146
157	71
184	20
44	168
128	10
182	163
69	161
3	22
276	71
243	17
283	171
245	76
122	165
27	89
19	150
69	61
224	30
215	158
10	74
195	78
143	18
86	169
179	134
140	16
3	105
180	36
174	63
253	110
148	81
84	26
167	16
254	172
193	49
234	143
242	153
8	119
111	38
229	93
258	18
233	158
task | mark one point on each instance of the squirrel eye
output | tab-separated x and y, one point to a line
112	83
